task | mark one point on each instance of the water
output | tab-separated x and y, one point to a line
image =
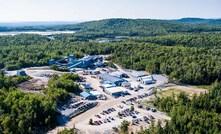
46	33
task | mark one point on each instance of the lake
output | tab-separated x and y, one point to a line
46	33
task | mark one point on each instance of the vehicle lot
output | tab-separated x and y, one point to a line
111	117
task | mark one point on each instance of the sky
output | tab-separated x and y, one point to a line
85	10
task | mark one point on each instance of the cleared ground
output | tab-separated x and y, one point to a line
189	90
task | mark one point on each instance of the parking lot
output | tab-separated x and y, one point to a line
110	118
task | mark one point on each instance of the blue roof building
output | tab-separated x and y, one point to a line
86	86
88	95
21	73
111	79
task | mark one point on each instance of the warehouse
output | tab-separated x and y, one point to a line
119	74
111	79
146	79
108	85
137	74
115	91
96	93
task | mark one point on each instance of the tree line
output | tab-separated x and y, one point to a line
22	112
199	115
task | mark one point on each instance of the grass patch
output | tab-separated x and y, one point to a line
170	92
204	87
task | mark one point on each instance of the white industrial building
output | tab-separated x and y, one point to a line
137	74
146	79
96	93
115	91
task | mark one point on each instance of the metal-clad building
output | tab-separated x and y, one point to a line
147	79
88	95
137	74
21	73
111	79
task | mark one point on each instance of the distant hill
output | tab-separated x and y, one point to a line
139	27
124	27
199	21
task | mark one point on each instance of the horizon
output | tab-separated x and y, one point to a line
86	10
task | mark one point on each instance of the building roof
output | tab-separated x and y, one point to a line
110	78
85	94
147	77
86	85
87	58
108	85
126	84
95	93
116	89
137	74
117	74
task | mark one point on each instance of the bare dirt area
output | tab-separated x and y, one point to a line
33	84
190	90
41	73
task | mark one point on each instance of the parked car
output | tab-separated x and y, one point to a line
147	108
153	110
140	106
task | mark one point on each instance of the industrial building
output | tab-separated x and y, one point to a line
111	79
107	85
146	79
115	91
119	74
137	74
96	93
85	86
126	84
85	62
88	95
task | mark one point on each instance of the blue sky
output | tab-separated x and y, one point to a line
83	10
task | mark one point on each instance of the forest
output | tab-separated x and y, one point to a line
199	115
185	58
22	112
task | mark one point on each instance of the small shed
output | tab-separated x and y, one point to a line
21	73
